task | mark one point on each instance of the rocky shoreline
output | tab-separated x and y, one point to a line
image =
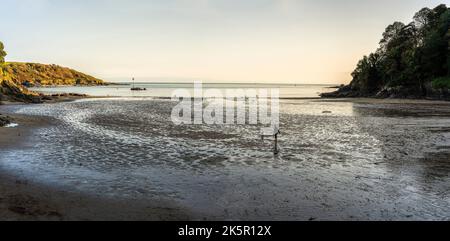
11	92
34	99
400	92
4	120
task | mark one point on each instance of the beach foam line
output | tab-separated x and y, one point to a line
11	125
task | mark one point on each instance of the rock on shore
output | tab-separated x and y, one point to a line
4	120
400	92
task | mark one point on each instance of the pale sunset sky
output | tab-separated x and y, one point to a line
281	41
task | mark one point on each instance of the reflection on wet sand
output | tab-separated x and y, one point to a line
339	160
415	152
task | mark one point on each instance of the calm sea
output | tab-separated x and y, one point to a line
166	89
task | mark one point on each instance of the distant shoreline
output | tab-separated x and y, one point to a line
217	83
391	93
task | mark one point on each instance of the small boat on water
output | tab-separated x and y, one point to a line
138	89
134	88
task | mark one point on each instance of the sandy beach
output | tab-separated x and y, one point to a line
21	199
99	159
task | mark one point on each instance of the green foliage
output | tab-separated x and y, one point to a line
409	55
441	83
2	53
14	77
30	74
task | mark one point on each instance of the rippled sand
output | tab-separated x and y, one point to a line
340	160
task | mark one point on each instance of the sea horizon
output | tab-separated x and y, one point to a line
166	89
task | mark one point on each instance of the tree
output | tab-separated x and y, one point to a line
448	51
367	74
391	34
433	52
397	49
2	53
422	18
410	55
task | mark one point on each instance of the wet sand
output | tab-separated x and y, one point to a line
12	137
23	200
367	160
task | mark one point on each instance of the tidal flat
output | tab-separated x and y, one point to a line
123	158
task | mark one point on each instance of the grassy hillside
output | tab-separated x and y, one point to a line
30	74
15	77
10	91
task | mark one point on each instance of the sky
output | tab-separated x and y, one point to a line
252	41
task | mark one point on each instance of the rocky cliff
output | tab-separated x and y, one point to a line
16	77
